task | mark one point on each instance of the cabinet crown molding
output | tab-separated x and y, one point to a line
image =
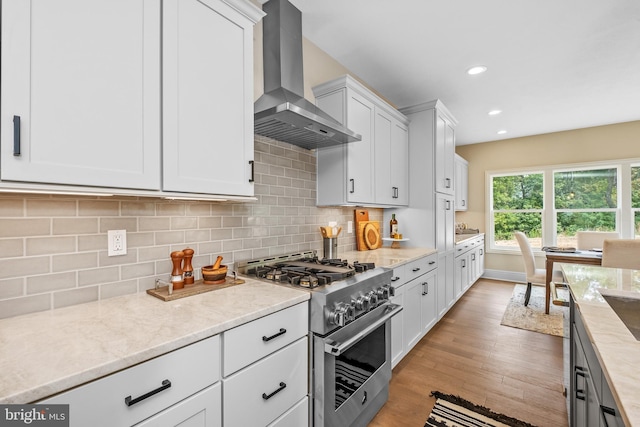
436	104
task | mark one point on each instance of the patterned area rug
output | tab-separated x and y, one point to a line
532	317
454	411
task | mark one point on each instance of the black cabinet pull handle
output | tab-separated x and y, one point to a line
16	135
266	396
579	372
607	411
448	182
416	269
431	262
282	331
130	402
252	163
395	279
353	185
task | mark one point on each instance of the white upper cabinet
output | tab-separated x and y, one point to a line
208	98
128	96
83	77
445	146
462	183
370	172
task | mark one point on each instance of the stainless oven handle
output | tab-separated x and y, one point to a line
337	348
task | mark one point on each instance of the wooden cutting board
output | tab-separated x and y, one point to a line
360	216
368	235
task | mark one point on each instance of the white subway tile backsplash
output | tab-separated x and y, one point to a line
53	249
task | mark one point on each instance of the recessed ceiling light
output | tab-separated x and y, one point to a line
478	69
494	112
502	132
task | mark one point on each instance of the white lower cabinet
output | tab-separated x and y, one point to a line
255	374
415	289
469	263
127	397
265	365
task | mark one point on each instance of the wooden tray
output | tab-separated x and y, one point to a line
189	290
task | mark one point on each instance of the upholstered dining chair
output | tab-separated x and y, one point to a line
621	253
534	275
593	239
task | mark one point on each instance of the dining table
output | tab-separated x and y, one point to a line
589	257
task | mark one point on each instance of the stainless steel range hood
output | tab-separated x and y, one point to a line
282	113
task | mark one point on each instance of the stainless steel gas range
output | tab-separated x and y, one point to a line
350	331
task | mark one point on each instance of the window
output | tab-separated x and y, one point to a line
551	204
635	199
584	200
517	205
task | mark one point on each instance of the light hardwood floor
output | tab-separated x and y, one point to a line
468	353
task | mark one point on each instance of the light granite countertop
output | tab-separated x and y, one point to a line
44	353
616	348
387	257
460	238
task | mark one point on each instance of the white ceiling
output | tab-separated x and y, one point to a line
553	65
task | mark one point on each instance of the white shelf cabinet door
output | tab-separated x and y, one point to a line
391	160
345	172
444	155
412	313
383	151
462	183
208	98
399	159
429	310
445	216
83	76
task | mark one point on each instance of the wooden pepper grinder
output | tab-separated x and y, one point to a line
176	273
187	267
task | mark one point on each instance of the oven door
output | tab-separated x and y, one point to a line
352	369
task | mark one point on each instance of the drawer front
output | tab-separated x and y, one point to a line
421	266
203	409
298	416
254	340
257	395
103	402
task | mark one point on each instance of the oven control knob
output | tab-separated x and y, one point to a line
349	313
383	293
342	315
362	303
373	299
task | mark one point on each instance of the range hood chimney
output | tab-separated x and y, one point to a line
282	113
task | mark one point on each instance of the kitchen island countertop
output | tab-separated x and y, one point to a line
616	348
44	353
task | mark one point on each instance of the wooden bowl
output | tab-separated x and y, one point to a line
214	276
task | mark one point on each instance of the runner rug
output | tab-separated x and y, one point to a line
454	411
532	316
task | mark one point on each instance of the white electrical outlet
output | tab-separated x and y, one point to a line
349	227
117	242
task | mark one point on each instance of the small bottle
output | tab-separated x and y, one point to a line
394	226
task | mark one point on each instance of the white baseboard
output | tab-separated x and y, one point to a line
507	276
